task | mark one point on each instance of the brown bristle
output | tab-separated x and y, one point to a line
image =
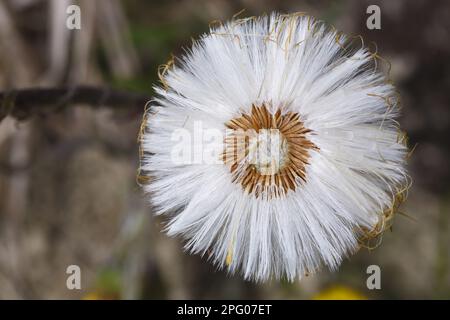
293	134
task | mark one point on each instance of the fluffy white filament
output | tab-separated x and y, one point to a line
296	64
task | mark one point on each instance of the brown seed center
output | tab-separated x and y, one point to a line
267	153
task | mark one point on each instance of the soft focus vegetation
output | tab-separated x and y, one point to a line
68	193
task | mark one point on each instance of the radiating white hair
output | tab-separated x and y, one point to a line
343	171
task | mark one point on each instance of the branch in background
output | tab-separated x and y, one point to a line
24	103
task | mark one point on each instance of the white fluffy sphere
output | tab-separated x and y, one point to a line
272	147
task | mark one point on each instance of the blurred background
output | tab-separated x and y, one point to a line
68	193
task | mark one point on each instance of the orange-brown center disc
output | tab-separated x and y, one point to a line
267	153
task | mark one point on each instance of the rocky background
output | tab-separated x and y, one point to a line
68	193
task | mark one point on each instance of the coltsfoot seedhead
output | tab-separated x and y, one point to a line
272	147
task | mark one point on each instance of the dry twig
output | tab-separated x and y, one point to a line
24	103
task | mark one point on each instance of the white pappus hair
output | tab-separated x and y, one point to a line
341	174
